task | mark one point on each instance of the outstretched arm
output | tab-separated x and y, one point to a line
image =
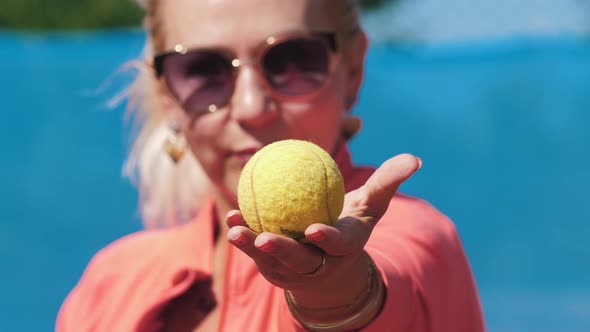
333	279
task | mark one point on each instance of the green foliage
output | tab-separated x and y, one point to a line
83	14
373	4
68	14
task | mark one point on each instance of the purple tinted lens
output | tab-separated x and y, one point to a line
297	67
199	79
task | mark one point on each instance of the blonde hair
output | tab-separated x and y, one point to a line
172	193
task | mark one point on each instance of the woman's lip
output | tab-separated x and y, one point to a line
245	154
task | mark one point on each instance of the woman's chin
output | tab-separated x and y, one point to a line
229	188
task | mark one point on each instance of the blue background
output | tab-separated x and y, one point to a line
502	126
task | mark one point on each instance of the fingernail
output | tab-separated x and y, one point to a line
236	237
233	219
268	247
419	162
317	236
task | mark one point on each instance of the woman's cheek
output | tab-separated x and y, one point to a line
202	144
322	123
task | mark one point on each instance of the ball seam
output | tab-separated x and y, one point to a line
255	203
264	152
327	197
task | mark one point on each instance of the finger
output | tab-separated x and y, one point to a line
234	218
298	257
348	236
383	184
243	238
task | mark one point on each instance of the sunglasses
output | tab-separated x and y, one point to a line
292	67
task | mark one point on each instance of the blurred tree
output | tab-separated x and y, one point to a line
85	14
68	14
373	4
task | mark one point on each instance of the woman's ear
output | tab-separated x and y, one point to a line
355	54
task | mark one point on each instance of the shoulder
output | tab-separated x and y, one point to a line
409	214
416	233
171	245
134	250
127	275
424	267
122	261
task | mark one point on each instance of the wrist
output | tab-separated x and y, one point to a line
339	286
345	317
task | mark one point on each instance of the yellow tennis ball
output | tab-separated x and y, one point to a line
289	185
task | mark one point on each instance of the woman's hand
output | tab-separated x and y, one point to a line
336	250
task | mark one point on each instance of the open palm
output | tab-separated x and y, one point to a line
284	261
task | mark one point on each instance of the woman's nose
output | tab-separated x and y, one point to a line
250	104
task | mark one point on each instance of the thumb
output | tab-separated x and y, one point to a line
383	184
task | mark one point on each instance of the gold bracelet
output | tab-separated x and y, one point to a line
368	310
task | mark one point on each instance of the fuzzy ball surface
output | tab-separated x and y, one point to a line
289	185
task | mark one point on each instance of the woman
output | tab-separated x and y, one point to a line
227	78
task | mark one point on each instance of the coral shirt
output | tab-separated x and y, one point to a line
129	285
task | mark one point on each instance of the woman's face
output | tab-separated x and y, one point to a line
224	140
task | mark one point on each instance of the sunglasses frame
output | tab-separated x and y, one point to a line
330	39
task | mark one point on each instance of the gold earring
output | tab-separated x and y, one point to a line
175	143
351	125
